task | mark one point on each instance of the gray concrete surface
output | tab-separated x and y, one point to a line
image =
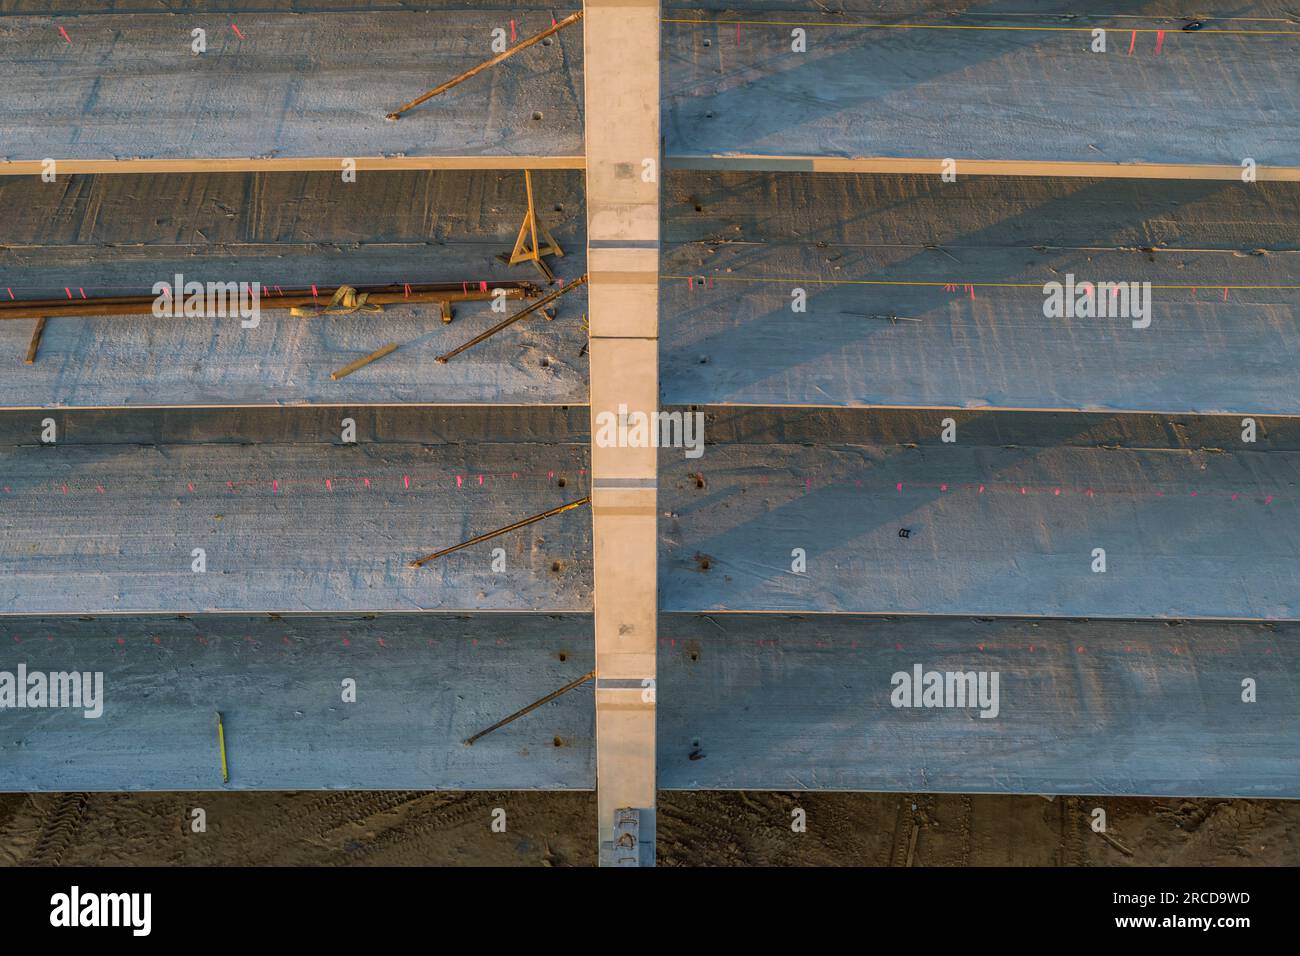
1045	10
1113	708
1105	708
290	519
1024	95
118	235
994	524
423	684
286	88
67	8
1172	13
968	261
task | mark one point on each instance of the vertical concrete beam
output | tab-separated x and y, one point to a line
621	68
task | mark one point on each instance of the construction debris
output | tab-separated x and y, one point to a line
35	343
345	301
379	353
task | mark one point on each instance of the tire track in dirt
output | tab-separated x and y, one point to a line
59	829
447	811
689	822
1072	851
966	829
1222	828
905	824
331	812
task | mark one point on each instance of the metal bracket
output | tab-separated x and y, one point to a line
627	848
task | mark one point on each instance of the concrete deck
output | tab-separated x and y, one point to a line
284	91
991	525
106	236
423	684
106	520
1103	708
900	90
968	261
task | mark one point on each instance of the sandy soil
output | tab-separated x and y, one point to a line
695	829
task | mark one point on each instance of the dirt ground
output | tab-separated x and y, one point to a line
695	829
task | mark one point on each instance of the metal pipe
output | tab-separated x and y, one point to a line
506	323
531	707
391	294
420	562
505	55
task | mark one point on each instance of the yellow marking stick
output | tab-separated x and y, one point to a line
221	742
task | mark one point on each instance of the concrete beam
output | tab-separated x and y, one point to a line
103	236
288	91
965	265
621	54
288	517
424	683
983	526
1001	94
1101	708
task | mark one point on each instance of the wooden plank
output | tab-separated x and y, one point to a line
234	164
621	54
1104	708
34	344
423	684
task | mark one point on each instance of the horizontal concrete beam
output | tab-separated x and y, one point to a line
134	361
965	266
288	517
1104	708
284	91
70	8
105	236
1000	94
1114	708
983	526
423	684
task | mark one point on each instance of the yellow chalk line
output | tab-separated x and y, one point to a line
967	26
961	282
